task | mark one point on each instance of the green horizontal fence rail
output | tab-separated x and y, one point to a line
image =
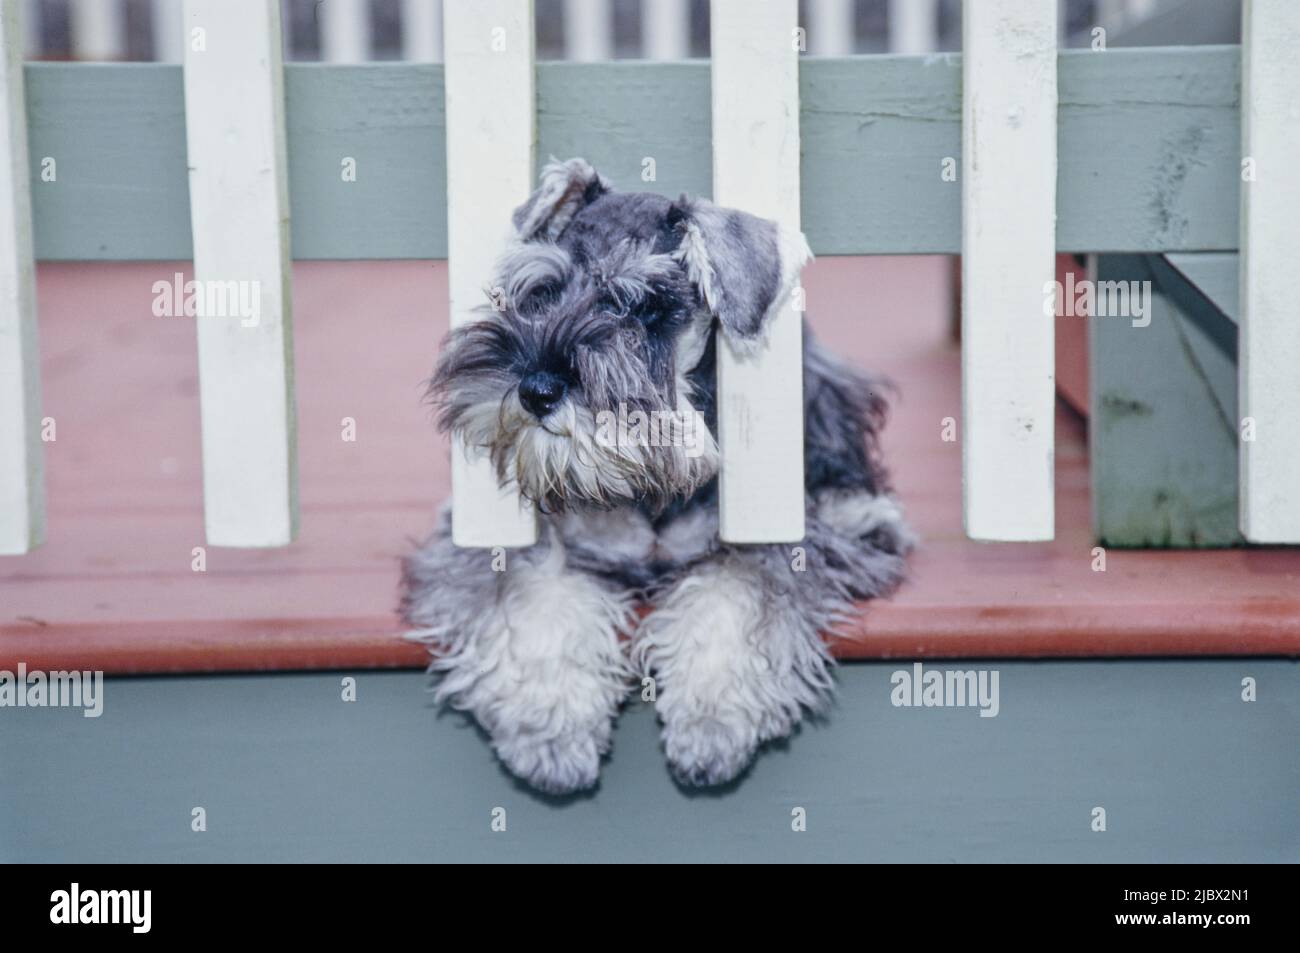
1149	151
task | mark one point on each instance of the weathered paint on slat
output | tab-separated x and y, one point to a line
1149	172
1269	406
1138	177
756	169
1008	194
22	481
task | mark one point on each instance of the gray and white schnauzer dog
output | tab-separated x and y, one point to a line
609	307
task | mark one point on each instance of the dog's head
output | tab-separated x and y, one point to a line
577	381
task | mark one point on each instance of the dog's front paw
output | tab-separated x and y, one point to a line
734	667
550	719
545	693
704	749
555	765
535	656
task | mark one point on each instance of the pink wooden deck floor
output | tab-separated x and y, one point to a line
113	587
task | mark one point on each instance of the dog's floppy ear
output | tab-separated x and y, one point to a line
743	266
565	188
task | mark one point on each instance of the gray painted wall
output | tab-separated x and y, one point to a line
1185	769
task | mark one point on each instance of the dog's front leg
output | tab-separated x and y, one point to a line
736	646
527	645
736	655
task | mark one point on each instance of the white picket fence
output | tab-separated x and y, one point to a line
235	104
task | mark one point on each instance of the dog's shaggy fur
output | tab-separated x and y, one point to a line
608	302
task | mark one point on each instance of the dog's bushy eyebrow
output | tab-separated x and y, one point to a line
529	265
622	278
633	273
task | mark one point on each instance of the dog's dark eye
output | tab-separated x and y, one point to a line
538	298
648	310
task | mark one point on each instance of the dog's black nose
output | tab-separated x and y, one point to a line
540	391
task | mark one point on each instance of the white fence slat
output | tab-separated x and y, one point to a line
588	30
830	27
491	137
344	31
22	490
234	124
666	29
913	26
1008	176
422	31
756	169
1269	349
98	29
168	31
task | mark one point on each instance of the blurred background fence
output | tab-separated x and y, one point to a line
348	31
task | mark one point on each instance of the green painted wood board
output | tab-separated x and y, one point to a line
1186	771
1149	142
1164	400
1216	274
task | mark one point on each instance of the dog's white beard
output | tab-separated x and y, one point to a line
562	461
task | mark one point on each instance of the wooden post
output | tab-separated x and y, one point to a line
1269	346
1008	174
491	139
756	169
239	207
22	487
